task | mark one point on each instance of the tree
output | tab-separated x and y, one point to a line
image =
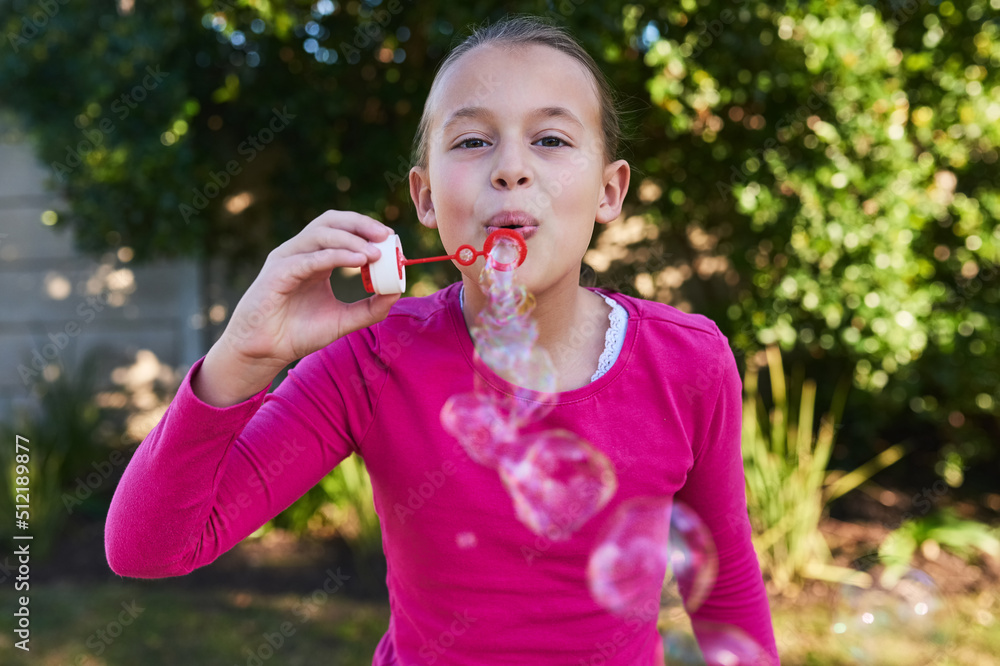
818	175
840	177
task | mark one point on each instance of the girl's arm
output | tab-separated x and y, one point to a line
226	457
716	489
207	477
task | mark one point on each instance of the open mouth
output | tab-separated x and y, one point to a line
526	231
517	221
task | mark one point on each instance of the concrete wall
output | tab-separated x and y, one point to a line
56	303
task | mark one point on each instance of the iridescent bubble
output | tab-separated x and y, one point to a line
717	645
518	403
504	328
532	370
479	427
693	558
899	616
628	566
505	337
559	482
504	255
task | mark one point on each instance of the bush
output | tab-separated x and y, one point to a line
788	485
67	449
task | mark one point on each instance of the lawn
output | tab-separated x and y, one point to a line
967	636
78	624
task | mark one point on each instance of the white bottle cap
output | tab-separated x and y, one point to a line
388	275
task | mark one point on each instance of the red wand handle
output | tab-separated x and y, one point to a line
465	255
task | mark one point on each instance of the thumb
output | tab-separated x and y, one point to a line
380	304
367	312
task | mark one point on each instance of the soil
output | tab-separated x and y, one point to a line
866	517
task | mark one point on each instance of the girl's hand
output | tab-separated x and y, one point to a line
290	310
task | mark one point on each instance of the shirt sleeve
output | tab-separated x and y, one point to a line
206	477
716	490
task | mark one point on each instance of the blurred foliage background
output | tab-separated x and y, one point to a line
820	177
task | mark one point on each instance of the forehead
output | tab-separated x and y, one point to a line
512	80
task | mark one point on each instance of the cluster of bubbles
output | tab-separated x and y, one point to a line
877	623
656	558
651	553
557	480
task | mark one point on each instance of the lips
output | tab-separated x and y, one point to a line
521	222
525	232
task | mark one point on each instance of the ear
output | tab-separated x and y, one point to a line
420	192
616	179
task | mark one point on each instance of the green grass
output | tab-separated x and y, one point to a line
967	635
182	627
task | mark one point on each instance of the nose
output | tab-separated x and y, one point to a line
511	168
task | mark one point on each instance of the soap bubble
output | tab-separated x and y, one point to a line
717	645
505	337
653	546
479	428
532	370
508	302
559	482
895	621
628	566
513	356
504	255
518	405
693	558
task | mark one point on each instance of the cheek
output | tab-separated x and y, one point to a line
576	184
452	187
567	176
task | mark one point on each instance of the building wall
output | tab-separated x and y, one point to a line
56	303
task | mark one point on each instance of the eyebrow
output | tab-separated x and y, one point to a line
482	112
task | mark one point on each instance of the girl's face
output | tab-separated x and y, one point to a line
516	134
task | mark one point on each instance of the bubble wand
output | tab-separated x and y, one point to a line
386	275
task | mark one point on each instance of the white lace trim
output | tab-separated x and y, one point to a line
614	338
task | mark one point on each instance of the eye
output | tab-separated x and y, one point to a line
464	143
547	142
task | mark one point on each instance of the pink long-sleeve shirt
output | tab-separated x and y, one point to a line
468	583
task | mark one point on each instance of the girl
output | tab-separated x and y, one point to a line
519	129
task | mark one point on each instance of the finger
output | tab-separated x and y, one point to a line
354	224
323	238
366	312
304	267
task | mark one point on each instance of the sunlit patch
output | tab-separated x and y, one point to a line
906	606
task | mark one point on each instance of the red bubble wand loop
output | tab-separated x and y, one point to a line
386	276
